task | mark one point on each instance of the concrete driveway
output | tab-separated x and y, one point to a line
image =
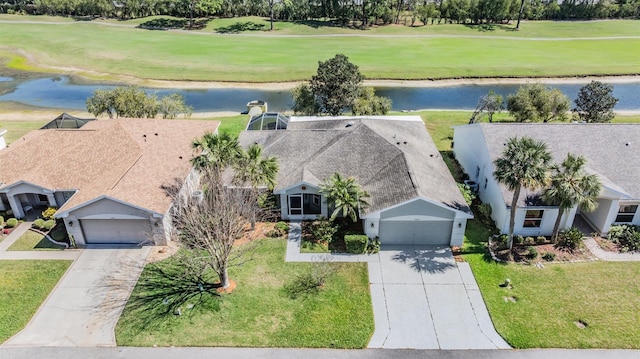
423	299
84	307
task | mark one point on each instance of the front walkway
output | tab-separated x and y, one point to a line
422	298
601	254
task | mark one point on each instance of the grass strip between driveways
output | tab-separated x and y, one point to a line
32	241
24	285
549	307
260	312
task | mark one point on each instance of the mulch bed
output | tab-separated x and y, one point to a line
562	255
607	245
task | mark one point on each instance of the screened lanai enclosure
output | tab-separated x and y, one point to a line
268	121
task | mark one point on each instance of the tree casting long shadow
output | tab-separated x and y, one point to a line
239	27
432	260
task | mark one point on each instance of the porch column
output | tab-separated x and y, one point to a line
16	206
52	199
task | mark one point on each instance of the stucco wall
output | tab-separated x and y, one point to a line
418	208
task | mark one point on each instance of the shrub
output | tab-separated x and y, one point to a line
38	223
529	241
549	256
12	222
355	243
627	237
1	221
541	240
467	193
373	246
48	224
310	282
518	239
570	240
484	215
322	230
532	253
59	234
282	227
48	213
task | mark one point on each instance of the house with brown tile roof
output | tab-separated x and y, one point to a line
107	178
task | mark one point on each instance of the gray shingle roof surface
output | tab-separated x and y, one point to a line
393	158
612	150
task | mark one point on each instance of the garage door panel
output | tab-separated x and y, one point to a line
416	232
103	231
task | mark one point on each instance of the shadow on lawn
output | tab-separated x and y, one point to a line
171	288
239	27
490	27
172	24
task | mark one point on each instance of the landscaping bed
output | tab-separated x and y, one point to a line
327	240
262	311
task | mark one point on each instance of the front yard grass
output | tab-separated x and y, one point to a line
260	312
32	241
24	285
545	307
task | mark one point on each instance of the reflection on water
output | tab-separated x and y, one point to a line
60	92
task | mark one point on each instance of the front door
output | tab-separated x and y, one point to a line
295	204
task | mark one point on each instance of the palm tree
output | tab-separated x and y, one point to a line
525	162
345	195
254	168
217	152
570	186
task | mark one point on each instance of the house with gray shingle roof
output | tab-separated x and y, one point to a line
108	179
612	152
413	199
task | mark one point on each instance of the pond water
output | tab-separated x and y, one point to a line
5	79
61	92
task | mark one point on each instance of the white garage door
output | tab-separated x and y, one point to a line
415	232
99	231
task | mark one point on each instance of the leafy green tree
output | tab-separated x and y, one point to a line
345	195
368	103
132	101
487	105
336	84
304	102
535	103
595	102
172	105
525	162
571	186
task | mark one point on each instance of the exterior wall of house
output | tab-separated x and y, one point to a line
472	154
604	214
24	195
301	188
109	209
3	143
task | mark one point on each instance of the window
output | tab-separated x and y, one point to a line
626	213
533	218
477	171
316	199
486	182
43	198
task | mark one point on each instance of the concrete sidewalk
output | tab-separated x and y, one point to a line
279	353
14	235
601	254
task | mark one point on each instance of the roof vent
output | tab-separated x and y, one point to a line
156	133
628	144
350	123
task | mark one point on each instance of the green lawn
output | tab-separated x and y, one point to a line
32	241
23	287
260	312
464	52
549	301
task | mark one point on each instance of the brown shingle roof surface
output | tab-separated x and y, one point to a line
127	159
393	158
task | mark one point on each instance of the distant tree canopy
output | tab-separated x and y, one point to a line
135	103
336	87
538	103
595	102
344	12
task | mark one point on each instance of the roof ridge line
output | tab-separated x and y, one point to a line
126	172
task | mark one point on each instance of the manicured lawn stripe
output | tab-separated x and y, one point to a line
23	287
31	241
185	56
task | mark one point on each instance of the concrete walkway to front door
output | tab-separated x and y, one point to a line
83	309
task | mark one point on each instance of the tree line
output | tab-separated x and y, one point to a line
362	12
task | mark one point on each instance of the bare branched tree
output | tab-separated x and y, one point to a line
209	224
